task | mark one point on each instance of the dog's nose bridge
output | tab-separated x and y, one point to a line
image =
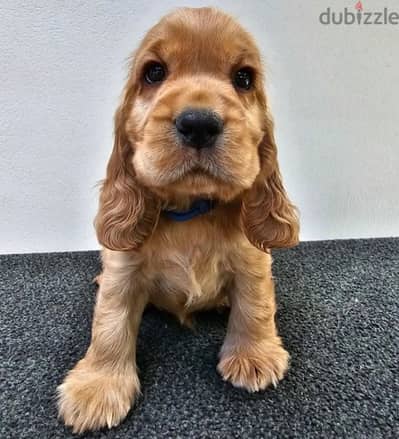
201	92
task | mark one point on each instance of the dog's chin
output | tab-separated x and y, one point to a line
197	184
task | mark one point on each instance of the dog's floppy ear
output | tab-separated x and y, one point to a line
128	212
269	219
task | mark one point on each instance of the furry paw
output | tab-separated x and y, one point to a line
254	367
90	399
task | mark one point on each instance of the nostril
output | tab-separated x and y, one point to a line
199	127
185	123
215	127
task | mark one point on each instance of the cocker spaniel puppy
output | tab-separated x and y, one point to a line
191	204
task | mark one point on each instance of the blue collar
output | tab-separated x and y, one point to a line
199	207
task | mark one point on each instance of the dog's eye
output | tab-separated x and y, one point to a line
154	72
244	78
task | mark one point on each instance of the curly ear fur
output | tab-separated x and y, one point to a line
128	213
268	217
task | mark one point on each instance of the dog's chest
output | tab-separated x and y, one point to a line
191	274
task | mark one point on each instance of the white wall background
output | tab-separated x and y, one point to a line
334	91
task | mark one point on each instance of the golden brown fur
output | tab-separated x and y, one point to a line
186	266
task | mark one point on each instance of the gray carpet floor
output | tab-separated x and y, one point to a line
338	315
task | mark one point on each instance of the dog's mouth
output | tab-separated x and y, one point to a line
192	178
200	176
192	169
203	165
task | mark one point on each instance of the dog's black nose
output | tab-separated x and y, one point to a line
198	128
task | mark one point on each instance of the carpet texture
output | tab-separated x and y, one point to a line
338	316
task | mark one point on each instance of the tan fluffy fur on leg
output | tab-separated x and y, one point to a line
252	355
101	388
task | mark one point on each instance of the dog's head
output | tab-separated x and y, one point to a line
193	123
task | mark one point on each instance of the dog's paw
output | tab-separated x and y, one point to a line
254	367
91	399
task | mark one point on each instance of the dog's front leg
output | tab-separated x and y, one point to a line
252	356
100	389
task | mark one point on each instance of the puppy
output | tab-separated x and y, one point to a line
191	204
